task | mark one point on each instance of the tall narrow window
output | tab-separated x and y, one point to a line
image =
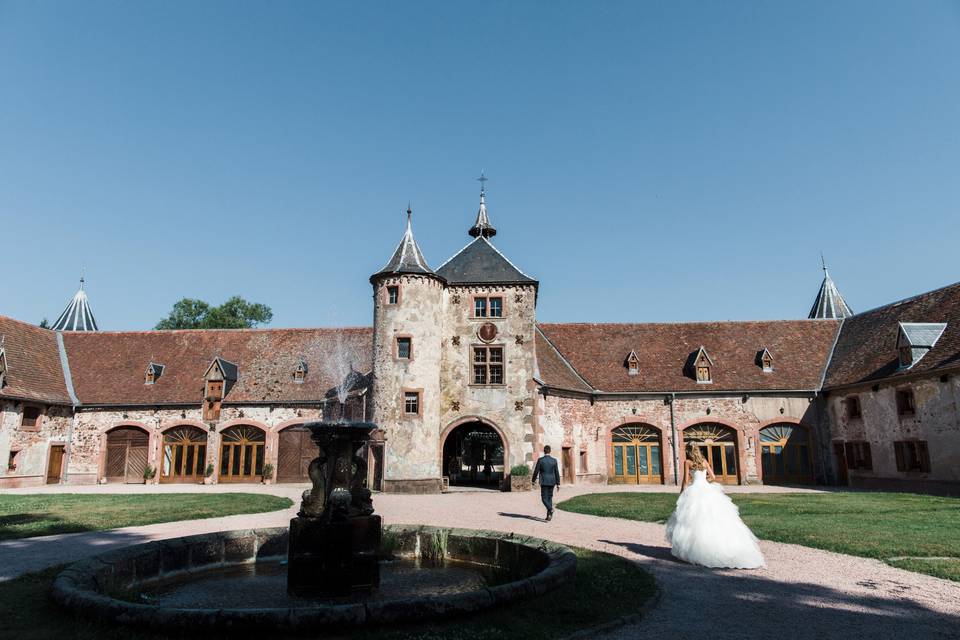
496	307
488	365
411	402
404	348
853	408
479	307
905	404
488	307
13	460
393	295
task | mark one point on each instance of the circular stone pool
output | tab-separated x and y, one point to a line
237	580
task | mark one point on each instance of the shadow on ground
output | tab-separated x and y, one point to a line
716	601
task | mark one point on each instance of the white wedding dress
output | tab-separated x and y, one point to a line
706	528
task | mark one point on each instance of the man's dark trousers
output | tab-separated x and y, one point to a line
546	495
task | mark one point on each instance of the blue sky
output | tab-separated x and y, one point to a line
648	161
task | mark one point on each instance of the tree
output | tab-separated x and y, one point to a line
44	324
235	313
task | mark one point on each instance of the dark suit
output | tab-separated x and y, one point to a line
548	471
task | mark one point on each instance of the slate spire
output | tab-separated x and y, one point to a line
829	303
77	316
407	258
482	226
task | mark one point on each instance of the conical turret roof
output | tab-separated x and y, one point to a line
77	316
407	258
829	303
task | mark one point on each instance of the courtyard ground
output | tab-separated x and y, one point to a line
803	592
916	532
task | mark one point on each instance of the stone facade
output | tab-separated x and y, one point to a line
935	420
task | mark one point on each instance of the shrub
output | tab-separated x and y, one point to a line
149	472
208	471
268	471
519	470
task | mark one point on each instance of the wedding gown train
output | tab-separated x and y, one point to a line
706	529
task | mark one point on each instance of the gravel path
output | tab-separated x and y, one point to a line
803	593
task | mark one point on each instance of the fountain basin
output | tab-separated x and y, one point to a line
235	580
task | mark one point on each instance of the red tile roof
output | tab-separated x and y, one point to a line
108	367
555	369
33	363
867	348
800	349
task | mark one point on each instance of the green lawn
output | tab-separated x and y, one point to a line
873	525
25	516
607	587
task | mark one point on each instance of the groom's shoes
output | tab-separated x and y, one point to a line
549	516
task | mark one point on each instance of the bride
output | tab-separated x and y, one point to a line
706	528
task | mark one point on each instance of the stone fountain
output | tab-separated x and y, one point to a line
335	538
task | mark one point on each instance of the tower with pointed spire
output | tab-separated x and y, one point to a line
828	303
482	226
77	316
407	350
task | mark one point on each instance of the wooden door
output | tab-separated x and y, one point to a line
55	466
126	455
840	456
785	455
636	455
184	455
569	472
241	454
376	464
296	451
718	444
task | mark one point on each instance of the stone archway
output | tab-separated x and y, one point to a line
719	446
127	453
474	453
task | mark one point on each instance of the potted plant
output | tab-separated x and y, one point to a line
267	473
149	473
208	474
520	478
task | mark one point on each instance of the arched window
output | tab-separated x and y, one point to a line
636	455
785	454
241	454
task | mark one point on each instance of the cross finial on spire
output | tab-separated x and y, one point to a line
823	263
482	179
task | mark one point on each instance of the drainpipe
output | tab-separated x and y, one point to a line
673	440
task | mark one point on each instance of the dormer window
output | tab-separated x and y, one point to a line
916	339
153	372
633	363
765	361
217	380
300	372
702	367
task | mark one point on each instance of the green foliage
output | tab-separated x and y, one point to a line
24	516
208	471
44	324
268	471
149	472
871	525
519	470
235	313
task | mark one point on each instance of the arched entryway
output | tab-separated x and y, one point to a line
241	453
127	448
637	454
296	450
718	444
473	455
184	455
785	454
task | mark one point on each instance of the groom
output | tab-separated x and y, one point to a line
548	471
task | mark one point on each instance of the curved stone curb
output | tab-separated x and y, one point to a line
89	587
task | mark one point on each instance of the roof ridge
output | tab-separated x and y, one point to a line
692	322
519	270
459	252
237	330
564	359
907	299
